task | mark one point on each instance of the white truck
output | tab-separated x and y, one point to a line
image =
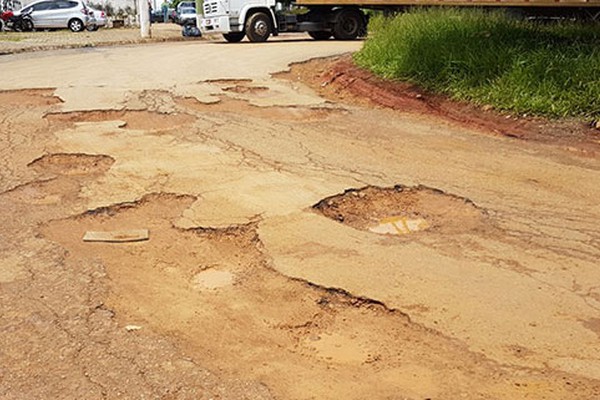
344	19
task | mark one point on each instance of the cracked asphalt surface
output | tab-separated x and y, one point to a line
299	248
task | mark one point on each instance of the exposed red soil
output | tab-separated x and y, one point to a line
338	78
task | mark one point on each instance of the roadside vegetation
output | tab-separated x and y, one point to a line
489	58
8	37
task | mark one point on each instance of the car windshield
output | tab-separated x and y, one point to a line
188	11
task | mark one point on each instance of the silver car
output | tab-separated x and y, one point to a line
72	14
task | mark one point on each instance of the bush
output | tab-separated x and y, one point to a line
487	57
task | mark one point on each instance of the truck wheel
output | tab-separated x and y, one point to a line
349	24
234	37
320	35
258	27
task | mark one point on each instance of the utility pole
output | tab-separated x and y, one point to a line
144	15
199	12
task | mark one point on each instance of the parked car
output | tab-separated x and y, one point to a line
156	16
186	15
183	4
97	19
72	14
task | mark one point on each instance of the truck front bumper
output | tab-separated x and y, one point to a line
215	25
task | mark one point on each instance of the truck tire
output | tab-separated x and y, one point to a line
320	35
258	27
234	37
349	24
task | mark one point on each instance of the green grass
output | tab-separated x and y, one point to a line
7	37
550	69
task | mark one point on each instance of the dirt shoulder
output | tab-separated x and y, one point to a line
338	78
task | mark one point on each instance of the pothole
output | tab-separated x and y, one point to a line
241	86
228	81
267	326
281	113
402	210
142	120
242	89
30	97
72	164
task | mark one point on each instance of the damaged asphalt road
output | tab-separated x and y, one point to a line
298	248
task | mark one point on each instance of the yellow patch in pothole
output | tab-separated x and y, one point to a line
399	226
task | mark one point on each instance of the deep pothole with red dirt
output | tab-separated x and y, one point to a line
403	210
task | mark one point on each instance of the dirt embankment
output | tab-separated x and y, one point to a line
338	78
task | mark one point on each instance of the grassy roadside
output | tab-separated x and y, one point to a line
9	37
550	69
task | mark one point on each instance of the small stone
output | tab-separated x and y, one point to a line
130	328
487	107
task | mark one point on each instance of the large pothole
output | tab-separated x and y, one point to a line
72	164
142	120
402	210
28	97
242	107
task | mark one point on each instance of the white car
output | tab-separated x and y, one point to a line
97	19
186	15
72	14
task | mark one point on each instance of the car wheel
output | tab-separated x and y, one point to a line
234	37
1	25
258	27
349	24
320	35
92	28
76	25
